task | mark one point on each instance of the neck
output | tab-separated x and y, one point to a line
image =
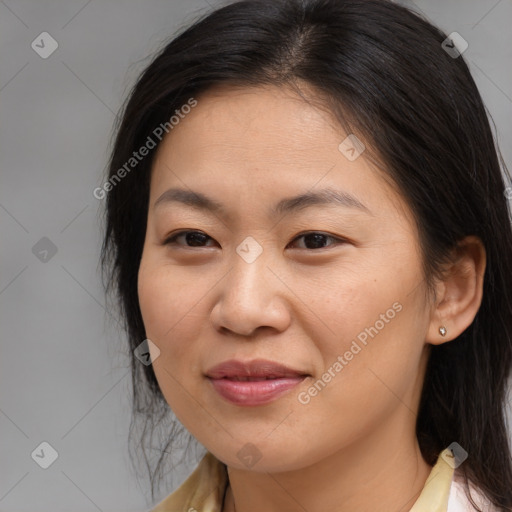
372	474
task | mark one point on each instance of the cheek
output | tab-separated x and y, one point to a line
349	306
155	302
373	336
166	304
167	300
364	383
376	366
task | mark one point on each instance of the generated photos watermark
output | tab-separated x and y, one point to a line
304	397
158	133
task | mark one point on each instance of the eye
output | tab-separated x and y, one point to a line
316	239
194	238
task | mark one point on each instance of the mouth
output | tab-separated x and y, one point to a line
258	369
251	379
253	383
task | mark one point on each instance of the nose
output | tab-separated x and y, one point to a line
252	296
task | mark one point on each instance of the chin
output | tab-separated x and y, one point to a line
264	456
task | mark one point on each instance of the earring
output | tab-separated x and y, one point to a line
442	330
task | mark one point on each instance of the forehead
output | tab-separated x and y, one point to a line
265	141
251	119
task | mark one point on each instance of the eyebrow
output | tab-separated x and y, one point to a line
326	196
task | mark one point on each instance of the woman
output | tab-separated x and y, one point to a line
308	232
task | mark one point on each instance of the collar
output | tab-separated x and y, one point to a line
204	489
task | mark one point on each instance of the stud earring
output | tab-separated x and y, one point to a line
442	330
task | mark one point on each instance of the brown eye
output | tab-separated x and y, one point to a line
192	238
316	240
312	240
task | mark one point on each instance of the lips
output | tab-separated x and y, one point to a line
257	369
255	382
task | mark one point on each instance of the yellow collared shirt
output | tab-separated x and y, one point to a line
204	490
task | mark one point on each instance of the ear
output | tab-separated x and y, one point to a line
459	294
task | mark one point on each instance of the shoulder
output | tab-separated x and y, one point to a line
459	502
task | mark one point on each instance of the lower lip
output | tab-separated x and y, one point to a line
256	392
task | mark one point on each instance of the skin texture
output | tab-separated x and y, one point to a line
353	445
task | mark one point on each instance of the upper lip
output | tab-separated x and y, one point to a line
254	368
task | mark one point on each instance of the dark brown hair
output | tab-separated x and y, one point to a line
382	71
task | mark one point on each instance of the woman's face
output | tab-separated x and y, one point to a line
344	305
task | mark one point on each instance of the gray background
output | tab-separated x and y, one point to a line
64	378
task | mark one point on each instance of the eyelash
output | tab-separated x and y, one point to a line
171	239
